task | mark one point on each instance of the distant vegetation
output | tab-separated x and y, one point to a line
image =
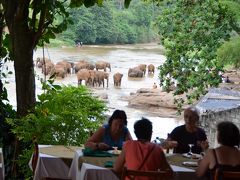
229	52
112	24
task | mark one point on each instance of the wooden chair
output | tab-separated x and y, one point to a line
35	160
131	174
35	155
226	175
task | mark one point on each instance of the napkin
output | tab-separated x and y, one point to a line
90	152
108	164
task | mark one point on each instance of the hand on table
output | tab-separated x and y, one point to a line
103	146
168	144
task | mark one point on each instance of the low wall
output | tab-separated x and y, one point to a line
209	121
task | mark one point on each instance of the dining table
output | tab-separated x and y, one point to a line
70	162
54	161
92	168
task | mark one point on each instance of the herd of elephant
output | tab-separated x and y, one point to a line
86	71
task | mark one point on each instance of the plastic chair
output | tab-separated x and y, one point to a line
131	174
226	175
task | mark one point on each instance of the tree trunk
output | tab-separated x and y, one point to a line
23	43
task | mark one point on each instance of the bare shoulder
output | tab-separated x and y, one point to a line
101	131
209	155
97	136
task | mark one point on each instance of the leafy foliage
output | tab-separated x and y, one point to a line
234	6
62	116
191	32
111	23
229	53
31	23
6	110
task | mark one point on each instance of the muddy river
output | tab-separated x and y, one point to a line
121	57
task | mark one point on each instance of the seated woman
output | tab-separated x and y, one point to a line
227	155
141	154
187	134
112	134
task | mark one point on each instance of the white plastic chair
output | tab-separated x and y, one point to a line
1	165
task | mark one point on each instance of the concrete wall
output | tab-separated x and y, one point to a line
208	122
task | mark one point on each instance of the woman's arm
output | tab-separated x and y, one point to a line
128	136
95	141
203	164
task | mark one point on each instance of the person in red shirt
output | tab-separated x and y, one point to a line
141	154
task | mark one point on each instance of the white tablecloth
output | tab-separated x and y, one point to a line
92	172
50	166
74	172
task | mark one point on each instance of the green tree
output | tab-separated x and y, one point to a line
229	53
105	30
32	22
191	32
111	24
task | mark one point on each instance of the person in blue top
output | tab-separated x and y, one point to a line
112	134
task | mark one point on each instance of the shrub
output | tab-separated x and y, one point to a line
63	116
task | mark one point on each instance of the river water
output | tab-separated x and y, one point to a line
121	57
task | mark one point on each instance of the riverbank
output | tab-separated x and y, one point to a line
162	103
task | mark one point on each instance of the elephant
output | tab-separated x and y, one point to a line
41	61
66	66
143	68
47	68
151	69
103	65
135	72
83	65
117	78
100	77
59	71
86	75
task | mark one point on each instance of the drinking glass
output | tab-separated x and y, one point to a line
190	149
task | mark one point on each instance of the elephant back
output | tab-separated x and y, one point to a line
135	72
102	65
84	65
143	67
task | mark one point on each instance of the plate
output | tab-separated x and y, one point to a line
193	156
190	163
117	152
